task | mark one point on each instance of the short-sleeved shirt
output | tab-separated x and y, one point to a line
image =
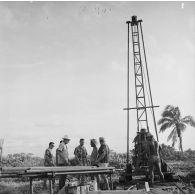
104	150
81	153
62	155
48	158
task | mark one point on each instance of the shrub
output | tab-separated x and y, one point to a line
22	160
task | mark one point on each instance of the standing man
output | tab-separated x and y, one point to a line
80	153
48	160
103	158
62	158
153	158
93	159
94	153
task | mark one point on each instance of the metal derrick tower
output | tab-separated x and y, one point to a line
139	60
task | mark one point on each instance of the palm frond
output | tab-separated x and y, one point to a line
165	126
177	112
174	139
171	135
182	126
164	119
188	120
167	113
169	107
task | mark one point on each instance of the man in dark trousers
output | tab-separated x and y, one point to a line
62	158
48	160
103	158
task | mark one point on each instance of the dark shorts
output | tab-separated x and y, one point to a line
154	160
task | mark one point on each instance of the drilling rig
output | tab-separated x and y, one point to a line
144	102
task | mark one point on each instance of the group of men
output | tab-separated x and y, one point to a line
99	157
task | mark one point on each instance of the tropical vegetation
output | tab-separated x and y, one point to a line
172	119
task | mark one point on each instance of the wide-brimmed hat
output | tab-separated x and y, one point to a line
66	137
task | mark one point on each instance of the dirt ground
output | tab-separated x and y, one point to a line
11	186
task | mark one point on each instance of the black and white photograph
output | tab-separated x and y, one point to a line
97	97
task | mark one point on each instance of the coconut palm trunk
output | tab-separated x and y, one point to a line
180	143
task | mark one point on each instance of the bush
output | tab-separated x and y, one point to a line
169	153
22	160
117	160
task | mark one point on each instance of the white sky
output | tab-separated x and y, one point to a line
63	70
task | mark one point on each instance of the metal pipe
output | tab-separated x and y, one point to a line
77	172
128	22
140	108
56	169
46	174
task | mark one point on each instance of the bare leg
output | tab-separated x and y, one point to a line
158	166
151	170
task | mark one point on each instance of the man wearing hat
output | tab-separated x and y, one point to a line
62	158
153	157
48	159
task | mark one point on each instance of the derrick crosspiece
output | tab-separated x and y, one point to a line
142	82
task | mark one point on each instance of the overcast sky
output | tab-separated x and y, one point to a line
63	70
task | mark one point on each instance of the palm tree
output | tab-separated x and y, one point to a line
171	119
